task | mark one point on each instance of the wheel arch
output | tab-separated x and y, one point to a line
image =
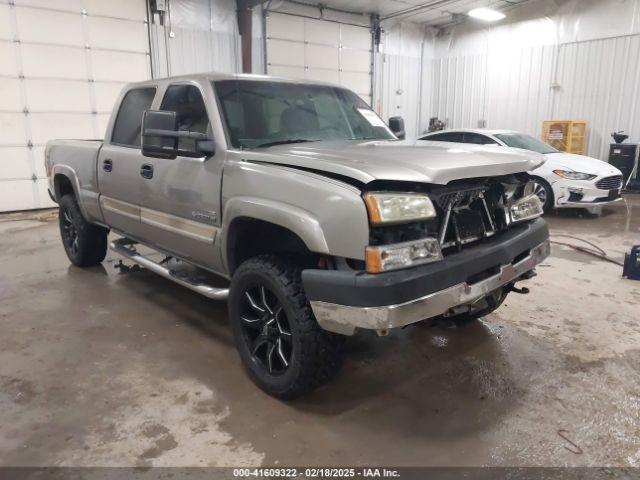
65	181
62	186
247	221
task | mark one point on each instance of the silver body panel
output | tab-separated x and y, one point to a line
187	207
406	161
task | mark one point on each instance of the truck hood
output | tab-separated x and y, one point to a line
366	161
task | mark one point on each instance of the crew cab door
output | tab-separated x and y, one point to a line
121	164
181	202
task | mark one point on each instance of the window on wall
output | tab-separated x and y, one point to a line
191	113
128	124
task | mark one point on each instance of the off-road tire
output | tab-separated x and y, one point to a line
84	243
315	354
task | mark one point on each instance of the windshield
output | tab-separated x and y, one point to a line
261	114
526	142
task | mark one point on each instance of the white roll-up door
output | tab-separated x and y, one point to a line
62	65
322	50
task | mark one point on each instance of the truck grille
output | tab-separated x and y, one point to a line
467	217
609	183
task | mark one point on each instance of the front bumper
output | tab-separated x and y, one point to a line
343	301
583	194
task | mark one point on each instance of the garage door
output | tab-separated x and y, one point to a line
62	64
314	49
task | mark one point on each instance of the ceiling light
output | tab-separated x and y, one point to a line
486	14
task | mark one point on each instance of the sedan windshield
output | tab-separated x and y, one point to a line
262	114
526	142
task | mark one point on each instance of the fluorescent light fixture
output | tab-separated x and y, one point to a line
486	14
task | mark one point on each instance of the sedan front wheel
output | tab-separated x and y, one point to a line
544	192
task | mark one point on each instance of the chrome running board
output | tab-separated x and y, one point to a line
126	248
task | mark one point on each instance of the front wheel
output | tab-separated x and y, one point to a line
84	243
545	193
281	345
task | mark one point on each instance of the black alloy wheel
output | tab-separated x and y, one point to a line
281	345
69	232
266	329
84	243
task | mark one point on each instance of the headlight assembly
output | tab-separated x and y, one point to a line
387	208
526	208
400	255
569	175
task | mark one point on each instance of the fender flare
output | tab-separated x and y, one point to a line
70	173
294	219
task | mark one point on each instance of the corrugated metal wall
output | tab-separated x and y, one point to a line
399	82
506	92
597	81
196	36
581	62
600	82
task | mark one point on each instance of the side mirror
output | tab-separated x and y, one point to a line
396	125
160	136
159	130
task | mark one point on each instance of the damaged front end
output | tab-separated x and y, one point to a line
472	211
462	258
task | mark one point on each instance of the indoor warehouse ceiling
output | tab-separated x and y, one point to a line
433	13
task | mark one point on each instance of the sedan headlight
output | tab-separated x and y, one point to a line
409	254
569	175
386	208
526	208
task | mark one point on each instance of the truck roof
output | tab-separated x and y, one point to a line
213	76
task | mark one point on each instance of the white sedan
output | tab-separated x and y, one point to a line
564	180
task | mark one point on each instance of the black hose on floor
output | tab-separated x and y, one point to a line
595	251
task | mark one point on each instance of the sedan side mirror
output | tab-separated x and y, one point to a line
160	137
396	125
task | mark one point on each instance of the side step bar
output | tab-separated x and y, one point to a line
126	248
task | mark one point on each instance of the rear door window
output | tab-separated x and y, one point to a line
126	129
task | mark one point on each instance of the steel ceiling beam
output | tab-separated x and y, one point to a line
417	8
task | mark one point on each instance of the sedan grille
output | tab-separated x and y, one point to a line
609	183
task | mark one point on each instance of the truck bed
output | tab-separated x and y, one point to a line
77	159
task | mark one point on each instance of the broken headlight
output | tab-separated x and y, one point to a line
526	208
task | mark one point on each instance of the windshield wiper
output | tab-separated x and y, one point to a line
284	142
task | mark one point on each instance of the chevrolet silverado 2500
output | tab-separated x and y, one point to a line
307	207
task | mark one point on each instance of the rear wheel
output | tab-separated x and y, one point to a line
281	345
545	193
84	243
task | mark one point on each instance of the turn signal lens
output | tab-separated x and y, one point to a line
401	255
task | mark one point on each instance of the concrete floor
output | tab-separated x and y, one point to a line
103	368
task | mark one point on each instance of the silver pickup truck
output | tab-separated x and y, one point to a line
295	202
